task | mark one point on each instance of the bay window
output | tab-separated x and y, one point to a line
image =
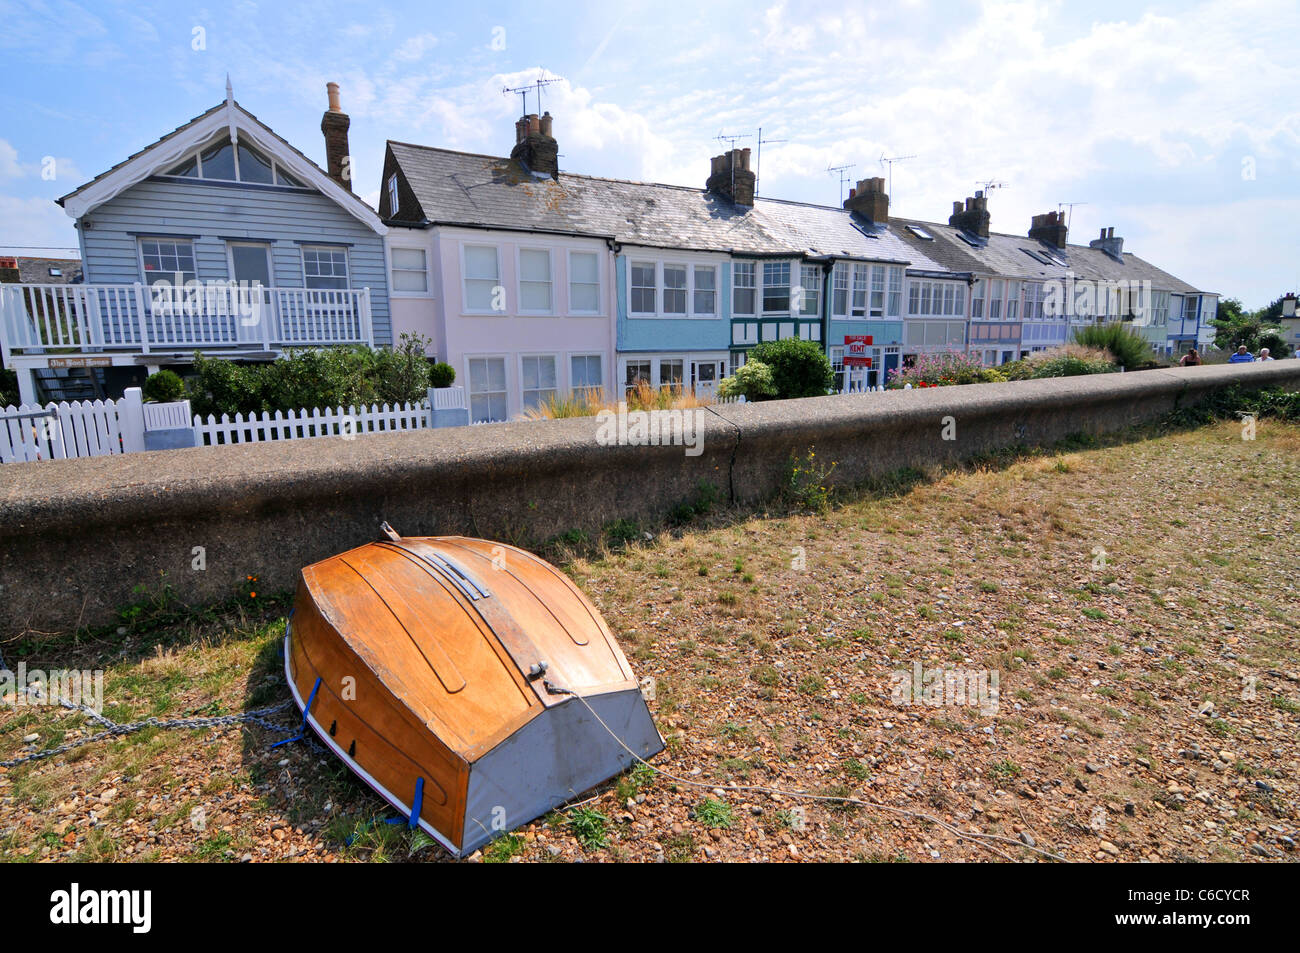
776	287
675	290
744	293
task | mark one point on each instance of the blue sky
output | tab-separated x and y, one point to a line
1176	123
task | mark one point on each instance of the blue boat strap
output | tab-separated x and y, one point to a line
302	732
416	805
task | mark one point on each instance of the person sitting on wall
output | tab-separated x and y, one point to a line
1264	355
1242	356
1191	358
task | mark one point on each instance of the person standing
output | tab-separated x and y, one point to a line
1264	355
1191	359
1242	356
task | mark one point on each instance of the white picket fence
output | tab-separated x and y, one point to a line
59	431
317	422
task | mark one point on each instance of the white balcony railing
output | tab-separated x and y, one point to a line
137	318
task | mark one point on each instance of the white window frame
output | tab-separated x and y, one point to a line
600	289
756	286
787	290
840	277
632	264
520	281
813	294
694	288
169	239
662	286
393	201
347	264
536	355
393	270
894	291
469	393
465	279
585	355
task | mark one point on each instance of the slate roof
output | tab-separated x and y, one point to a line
37	271
458	188
1005	255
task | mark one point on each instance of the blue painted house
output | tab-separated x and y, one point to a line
219	237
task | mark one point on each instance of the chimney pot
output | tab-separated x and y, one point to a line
535	147
334	126
869	200
974	217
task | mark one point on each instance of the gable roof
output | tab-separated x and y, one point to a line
180	142
459	188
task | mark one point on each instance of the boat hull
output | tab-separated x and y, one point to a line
417	664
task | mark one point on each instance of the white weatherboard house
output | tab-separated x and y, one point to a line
221	199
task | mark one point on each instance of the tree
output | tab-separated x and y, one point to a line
1235	326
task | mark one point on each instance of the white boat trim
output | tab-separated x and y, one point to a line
323	735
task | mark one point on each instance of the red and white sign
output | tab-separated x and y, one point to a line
855	350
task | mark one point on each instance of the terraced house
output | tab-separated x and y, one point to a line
168	236
534	282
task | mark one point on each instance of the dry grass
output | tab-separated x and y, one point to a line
1116	591
591	401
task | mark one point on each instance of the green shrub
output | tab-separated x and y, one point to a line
163	387
799	368
1070	360
1129	348
753	381
223	387
314	377
402	374
442	374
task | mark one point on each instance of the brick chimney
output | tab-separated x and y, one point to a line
535	147
334	124
974	218
1049	228
1109	244
870	200
731	177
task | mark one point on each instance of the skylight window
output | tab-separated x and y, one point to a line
920	232
970	239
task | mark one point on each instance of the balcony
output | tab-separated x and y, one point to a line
39	320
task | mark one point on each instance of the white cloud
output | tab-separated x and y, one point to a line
415	47
34	221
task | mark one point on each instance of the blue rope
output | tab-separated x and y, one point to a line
302	732
414	819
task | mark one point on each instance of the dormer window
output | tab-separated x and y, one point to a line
221	161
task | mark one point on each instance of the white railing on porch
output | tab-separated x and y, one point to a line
140	318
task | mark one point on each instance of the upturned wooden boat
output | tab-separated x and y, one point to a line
465	681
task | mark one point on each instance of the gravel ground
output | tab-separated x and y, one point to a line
1135	606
